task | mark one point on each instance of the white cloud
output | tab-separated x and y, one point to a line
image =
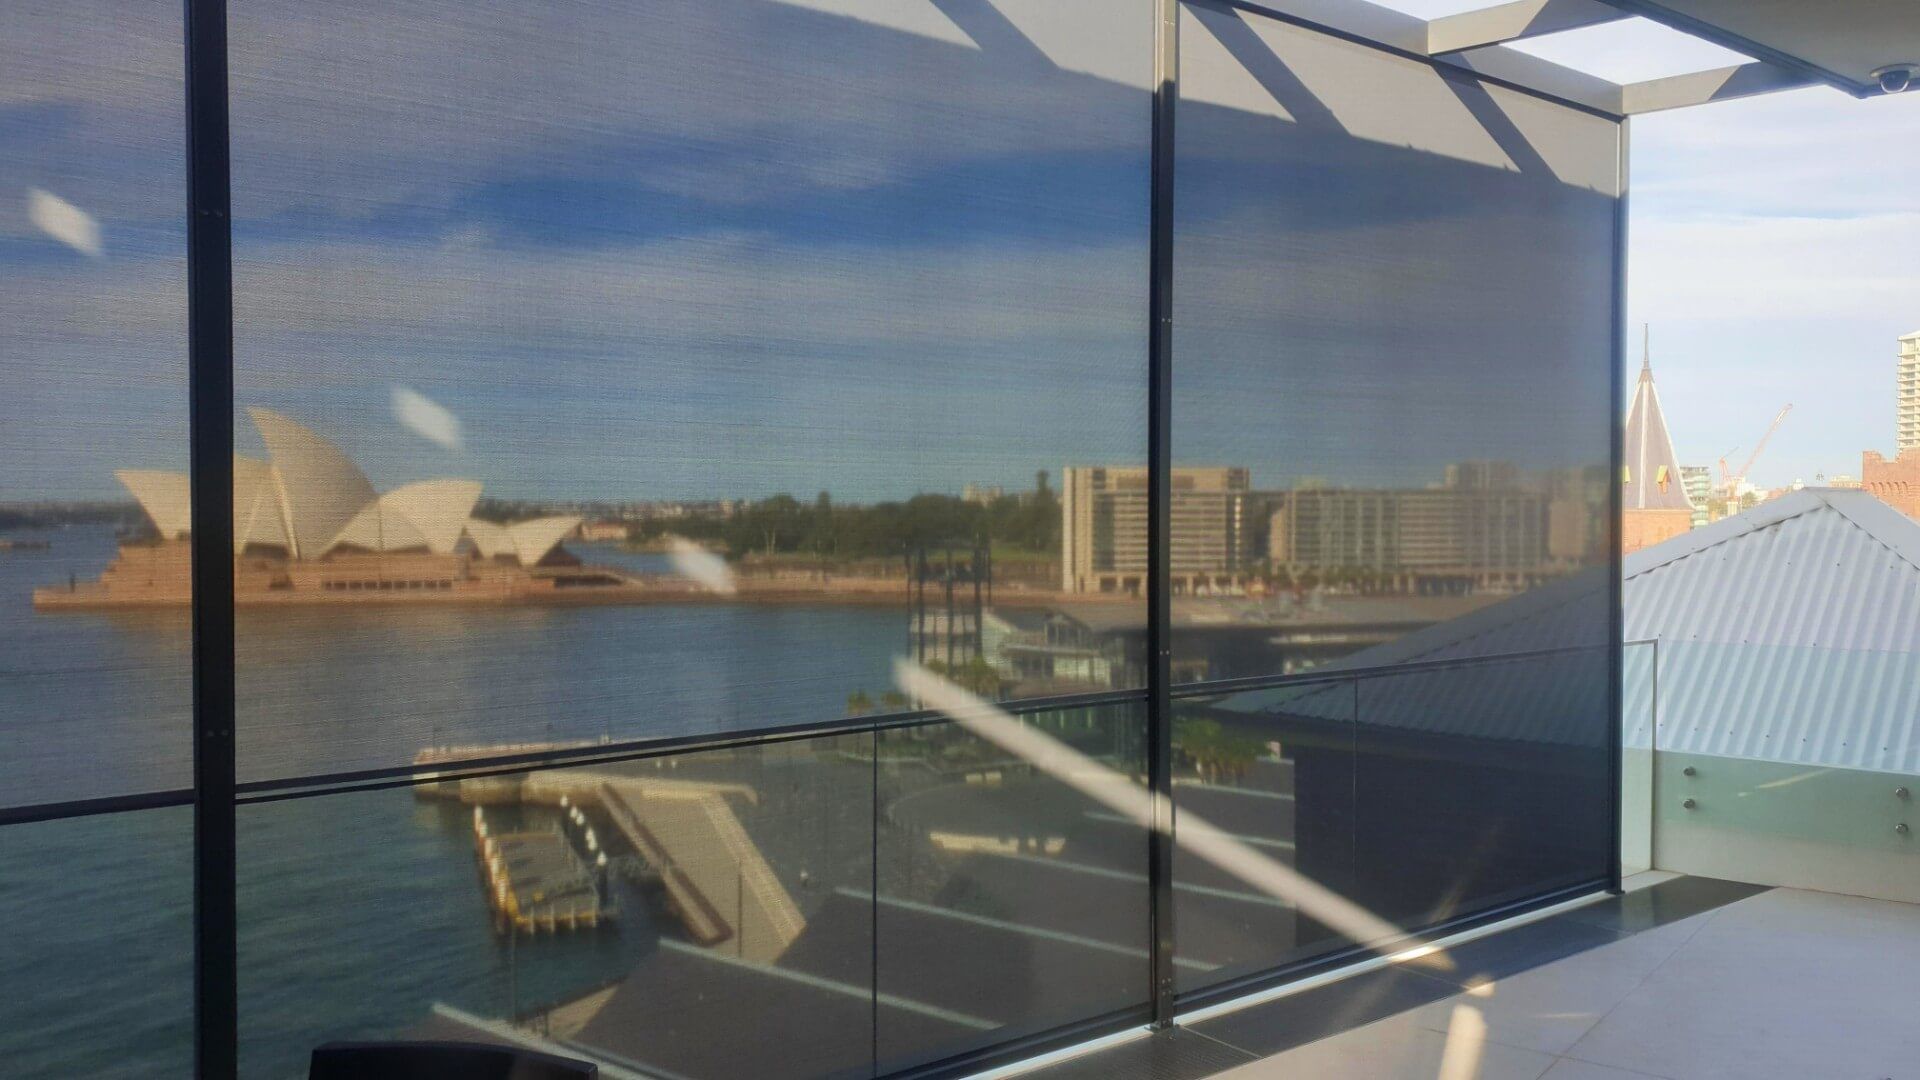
1772	269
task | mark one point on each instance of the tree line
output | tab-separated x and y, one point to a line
824	529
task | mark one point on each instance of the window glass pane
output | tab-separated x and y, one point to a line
98	952
94	704
1274	770
1481	784
1012	899
733	887
1396	312
93	672
615	371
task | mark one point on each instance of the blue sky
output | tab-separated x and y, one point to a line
737	248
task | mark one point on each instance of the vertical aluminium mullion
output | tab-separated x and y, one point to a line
210	418
1616	500
1166	60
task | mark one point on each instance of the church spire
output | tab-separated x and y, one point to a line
1652	475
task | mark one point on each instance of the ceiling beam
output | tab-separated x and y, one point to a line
1516	21
1701	87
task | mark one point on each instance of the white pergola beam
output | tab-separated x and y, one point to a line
1515	21
1701	87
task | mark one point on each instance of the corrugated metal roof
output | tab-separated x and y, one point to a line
1788	633
1819	568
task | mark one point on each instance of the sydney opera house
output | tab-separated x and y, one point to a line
309	526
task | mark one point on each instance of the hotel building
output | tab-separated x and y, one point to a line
1103	527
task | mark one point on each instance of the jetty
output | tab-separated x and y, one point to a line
536	882
715	879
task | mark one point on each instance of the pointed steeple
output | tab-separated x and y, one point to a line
1652	476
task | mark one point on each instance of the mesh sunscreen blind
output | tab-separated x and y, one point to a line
1396	313
613	372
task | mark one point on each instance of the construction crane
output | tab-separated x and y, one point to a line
1730	480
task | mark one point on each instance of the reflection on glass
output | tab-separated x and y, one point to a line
92	377
1480	784
1274	768
1009	901
98	952
1396	302
97	947
631	913
608	374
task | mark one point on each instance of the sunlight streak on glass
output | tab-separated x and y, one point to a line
426	418
708	570
64	221
1195	835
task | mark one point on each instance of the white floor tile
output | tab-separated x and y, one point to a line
1398	1048
1569	1069
1549	1008
1784	984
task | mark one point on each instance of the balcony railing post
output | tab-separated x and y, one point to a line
1166	58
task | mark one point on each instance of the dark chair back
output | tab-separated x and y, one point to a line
441	1061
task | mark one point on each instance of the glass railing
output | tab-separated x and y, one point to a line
1417	796
1638	718
1775	765
823	905
887	895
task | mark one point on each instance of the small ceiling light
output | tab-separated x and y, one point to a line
1895	78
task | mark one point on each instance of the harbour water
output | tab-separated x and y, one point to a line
96	704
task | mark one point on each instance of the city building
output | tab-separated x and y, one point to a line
1895	482
981	494
1655	505
1698	482
1103	528
1907	395
601	532
1481	529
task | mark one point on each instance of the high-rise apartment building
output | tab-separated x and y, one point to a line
1103	527
1907	395
1698	482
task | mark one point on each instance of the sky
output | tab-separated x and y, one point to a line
748	246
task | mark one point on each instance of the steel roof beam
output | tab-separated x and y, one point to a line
1701	87
1516	21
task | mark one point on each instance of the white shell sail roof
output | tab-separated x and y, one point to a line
165	496
258	517
429	514
321	490
535	539
489	539
528	541
311	499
